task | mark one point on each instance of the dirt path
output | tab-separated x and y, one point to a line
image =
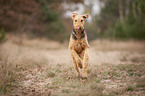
113	70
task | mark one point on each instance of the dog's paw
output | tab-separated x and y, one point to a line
84	77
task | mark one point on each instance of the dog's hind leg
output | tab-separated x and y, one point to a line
85	62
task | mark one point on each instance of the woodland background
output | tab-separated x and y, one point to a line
117	19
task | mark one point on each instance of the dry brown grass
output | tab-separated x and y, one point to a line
108	45
36	68
15	59
7	73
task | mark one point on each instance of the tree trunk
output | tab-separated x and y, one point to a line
127	8
121	11
139	11
134	9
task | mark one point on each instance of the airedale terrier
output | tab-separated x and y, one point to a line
78	44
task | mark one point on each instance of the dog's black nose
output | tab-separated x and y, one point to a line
79	28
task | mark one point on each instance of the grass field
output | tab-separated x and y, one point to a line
42	67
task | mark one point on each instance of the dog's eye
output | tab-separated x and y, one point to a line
75	20
81	20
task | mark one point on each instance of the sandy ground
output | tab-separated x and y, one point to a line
56	73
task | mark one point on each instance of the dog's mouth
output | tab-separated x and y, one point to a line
78	28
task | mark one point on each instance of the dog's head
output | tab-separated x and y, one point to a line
79	21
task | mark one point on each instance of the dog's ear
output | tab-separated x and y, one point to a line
74	14
86	16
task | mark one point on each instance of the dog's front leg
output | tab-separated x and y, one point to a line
76	60
85	62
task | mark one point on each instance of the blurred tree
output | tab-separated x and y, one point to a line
13	12
121	10
108	16
141	5
32	16
122	20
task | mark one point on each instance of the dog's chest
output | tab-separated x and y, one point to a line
79	47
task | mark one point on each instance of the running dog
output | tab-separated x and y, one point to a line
78	44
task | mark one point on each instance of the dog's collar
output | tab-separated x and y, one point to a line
75	35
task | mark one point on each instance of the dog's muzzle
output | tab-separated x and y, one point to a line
79	28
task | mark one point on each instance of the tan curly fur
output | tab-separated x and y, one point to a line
78	44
